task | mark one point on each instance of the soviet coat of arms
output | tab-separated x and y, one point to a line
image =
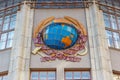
60	38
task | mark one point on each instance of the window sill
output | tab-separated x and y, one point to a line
114	48
5	49
3	73
113	30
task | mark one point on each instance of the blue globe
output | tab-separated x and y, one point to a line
59	36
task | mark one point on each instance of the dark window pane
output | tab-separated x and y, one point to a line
1	21
34	75
85	75
3	37
2	45
68	75
51	75
119	22
116	40
9	3
77	75
1	13
7	19
8	11
10	35
43	75
109	38
9	43
14	9
17	1
106	20
114	23
2	4
3	40
5	26
12	24
5	77
13	17
6	23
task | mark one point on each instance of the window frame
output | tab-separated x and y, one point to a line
38	71
81	71
111	29
9	25
9	3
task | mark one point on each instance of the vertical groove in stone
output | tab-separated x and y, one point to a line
99	54
20	56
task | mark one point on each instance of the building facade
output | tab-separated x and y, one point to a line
95	22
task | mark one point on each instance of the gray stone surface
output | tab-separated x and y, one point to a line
20	56
4	60
100	59
18	61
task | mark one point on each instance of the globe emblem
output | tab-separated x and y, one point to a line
59	36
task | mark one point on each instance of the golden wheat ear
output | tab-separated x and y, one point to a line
78	24
41	25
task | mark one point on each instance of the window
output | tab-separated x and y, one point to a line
116	76
8	3
111	21
43	75
112	26
77	75
59	4
7	22
7	25
106	20
3	77
110	2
